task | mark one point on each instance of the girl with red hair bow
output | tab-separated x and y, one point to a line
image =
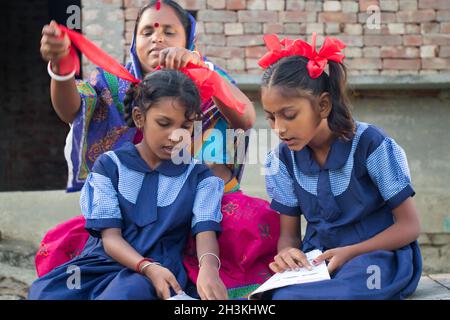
348	179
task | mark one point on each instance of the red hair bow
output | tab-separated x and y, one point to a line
208	82
331	50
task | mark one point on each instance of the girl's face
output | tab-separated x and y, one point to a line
157	29
160	125
295	120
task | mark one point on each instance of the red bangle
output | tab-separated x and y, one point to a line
138	265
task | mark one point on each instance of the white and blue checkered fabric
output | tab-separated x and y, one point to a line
98	198
388	168
208	200
279	183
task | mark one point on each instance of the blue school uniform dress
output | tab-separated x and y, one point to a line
156	210
346	201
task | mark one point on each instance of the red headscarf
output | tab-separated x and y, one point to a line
209	82
331	50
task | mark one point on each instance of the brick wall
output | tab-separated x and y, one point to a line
413	37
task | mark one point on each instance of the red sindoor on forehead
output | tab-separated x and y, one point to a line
158	7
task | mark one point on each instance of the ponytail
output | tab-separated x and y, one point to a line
340	119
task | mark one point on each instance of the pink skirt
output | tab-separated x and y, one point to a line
248	243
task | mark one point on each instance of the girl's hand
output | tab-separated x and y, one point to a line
337	257
53	48
289	259
209	284
162	279
176	58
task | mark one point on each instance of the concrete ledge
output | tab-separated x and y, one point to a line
401	82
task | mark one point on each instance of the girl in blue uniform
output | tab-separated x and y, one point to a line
140	206
348	179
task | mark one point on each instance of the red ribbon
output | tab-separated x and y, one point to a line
209	82
330	50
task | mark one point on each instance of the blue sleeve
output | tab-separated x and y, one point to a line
280	186
99	202
388	168
207	205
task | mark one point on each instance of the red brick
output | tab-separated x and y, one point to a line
192	4
434	4
273	28
382	30
380	40
224	52
364	4
217	16
385	17
412	40
351	41
295	5
255	52
437	39
296	16
216	39
429	27
399	52
257	16
363	63
216	4
344	17
256	4
436	63
445	27
235	4
245	40
401	64
416	16
444	52
443	15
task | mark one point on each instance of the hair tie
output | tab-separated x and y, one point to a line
331	50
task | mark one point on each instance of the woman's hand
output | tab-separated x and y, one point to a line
162	279
289	259
209	284
53	47
337	257
176	58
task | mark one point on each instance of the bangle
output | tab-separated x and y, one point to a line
57	77
138	265
209	254
198	54
148	264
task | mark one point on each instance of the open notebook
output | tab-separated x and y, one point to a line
287	278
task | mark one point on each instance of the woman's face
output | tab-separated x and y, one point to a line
157	29
165	127
295	120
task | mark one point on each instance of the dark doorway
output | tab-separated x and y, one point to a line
32	137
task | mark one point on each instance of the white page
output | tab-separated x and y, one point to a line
287	278
181	296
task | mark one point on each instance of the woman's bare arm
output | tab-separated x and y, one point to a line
64	94
405	230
